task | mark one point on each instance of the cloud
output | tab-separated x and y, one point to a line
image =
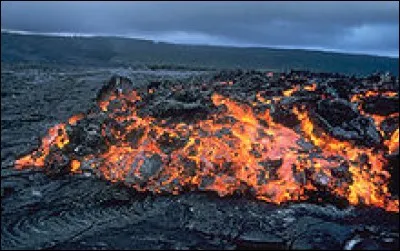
370	27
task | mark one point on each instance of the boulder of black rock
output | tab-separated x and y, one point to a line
151	166
56	163
117	85
341	87
381	105
284	115
171	107
343	121
389	125
86	138
336	111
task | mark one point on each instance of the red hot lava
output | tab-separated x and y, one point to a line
237	149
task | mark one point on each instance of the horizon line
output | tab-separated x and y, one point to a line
93	35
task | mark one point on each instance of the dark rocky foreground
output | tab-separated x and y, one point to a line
79	212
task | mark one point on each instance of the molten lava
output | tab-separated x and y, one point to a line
237	149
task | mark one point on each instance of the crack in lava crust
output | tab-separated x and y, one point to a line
237	148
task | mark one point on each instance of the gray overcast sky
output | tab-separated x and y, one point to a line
360	27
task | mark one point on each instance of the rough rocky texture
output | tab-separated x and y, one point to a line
381	105
83	212
344	122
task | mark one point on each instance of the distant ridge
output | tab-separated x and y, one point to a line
102	50
78	34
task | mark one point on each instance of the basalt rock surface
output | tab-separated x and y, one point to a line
52	209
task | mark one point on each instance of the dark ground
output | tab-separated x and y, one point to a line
81	212
111	51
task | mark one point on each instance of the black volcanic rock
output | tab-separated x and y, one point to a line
336	111
86	138
57	163
117	84
168	108
341	87
341	119
381	105
83	212
389	125
151	166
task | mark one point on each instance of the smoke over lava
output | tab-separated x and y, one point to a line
285	142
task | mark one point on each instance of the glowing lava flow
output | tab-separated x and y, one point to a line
56	137
368	175
234	150
393	142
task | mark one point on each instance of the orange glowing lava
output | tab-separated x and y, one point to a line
237	149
